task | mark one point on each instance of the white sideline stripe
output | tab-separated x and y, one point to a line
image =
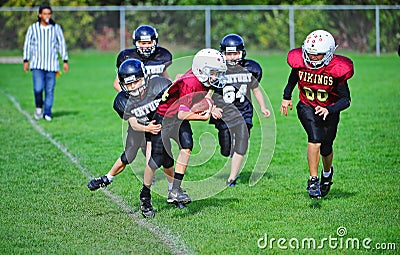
167	237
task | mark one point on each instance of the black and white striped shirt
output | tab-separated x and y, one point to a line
41	46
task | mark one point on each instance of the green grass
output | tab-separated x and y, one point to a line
46	207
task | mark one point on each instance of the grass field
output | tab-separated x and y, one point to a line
46	207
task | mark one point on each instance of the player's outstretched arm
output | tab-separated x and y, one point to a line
260	99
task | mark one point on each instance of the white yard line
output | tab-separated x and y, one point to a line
168	238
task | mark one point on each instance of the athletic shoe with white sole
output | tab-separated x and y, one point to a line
313	188
326	183
38	114
47	117
97	183
178	196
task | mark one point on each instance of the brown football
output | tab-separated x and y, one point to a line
202	105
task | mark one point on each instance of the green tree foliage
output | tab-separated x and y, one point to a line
264	30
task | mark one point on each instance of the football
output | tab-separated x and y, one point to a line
202	105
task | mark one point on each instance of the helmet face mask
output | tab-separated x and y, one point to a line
209	66
233	58
145	40
233	43
216	78
318	42
134	88
132	77
146	48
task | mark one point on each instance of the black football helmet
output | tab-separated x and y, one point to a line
145	33
132	70
233	43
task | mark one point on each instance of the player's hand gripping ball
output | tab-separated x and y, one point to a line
202	106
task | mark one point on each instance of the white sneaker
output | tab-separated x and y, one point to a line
38	113
47	117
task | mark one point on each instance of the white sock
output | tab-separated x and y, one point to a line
170	185
110	177
326	174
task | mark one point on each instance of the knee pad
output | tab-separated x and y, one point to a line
155	161
168	162
128	158
124	159
326	149
186	138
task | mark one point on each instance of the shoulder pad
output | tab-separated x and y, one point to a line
254	68
162	55
127	54
295	58
120	102
341	67
165	52
157	85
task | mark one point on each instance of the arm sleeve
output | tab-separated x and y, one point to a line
27	48
343	102
62	45
292	81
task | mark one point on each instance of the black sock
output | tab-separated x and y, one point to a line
145	192
177	180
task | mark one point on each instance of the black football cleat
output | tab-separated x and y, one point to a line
97	183
326	183
178	196
313	188
146	207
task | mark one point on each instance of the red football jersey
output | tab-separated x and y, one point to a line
185	91
319	86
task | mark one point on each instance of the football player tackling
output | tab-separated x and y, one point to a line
174	113
136	103
322	81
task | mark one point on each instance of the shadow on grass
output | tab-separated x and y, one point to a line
196	206
245	176
338	193
58	114
333	194
316	203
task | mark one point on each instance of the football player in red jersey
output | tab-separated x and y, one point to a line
174	113
322	81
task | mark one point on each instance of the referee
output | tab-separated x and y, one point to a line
43	40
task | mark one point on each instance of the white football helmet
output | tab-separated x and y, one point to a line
209	66
316	43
